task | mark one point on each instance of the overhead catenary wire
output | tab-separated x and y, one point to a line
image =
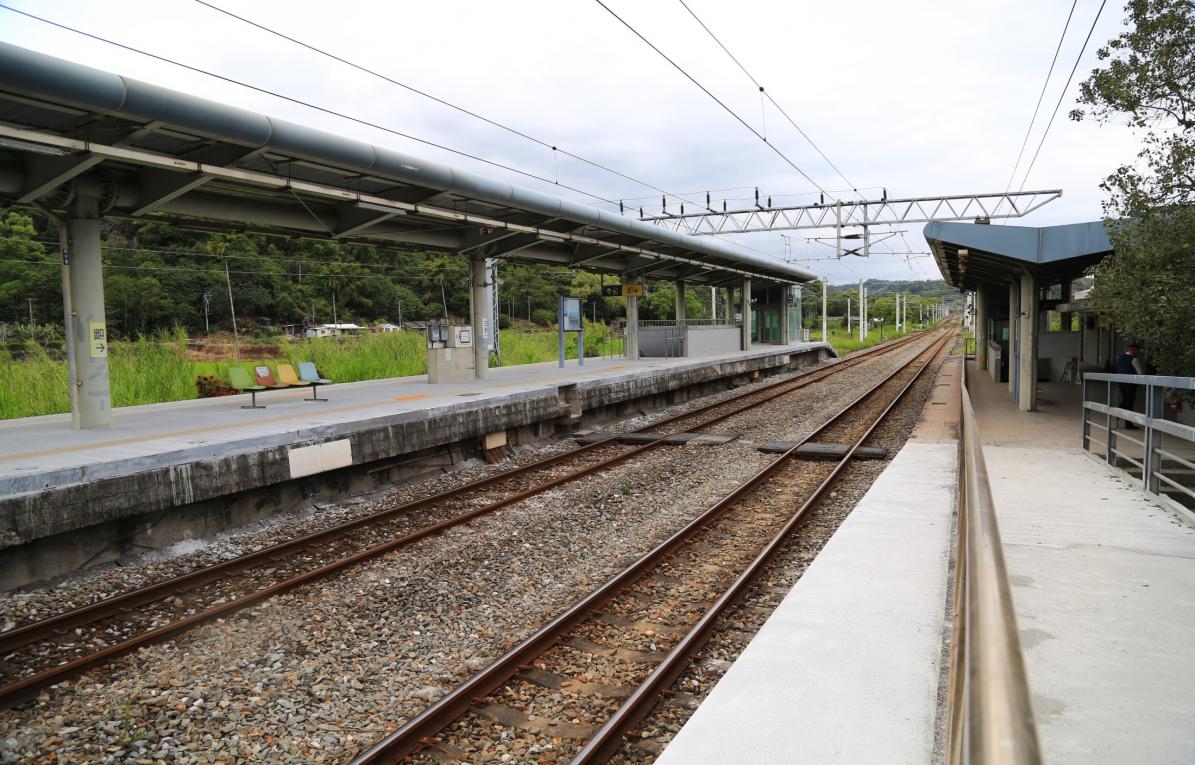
514	131
716	100
768	96
1062	94
307	104
1032	120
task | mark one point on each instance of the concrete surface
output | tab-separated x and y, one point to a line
847	669
1103	584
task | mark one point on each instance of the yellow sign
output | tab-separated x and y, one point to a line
632	290
97	337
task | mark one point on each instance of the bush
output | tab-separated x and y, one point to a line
210	386
543	316
503	321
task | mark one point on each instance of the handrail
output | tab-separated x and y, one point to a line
991	717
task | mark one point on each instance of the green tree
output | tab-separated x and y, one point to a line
1147	78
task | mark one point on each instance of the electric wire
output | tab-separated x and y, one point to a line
441	101
716	100
1032	120
768	96
307	104
1062	95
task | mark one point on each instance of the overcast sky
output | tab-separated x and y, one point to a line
919	97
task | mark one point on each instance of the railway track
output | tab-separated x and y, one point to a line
579	684
42	653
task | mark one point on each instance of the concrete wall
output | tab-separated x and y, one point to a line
713	341
663	342
1054	349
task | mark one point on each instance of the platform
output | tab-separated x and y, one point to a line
54	479
1103	580
847	669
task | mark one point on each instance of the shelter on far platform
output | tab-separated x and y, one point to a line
1025	312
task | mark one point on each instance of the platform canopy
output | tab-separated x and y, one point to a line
164	155
971	253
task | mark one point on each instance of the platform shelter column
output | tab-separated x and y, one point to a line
482	311
728	305
1027	342
786	292
90	328
1014	339
680	302
745	301
1065	317
981	327
632	332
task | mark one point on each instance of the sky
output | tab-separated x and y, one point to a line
918	98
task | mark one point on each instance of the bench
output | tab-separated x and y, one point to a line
286	374
263	379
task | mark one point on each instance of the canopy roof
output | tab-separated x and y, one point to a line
998	254
160	153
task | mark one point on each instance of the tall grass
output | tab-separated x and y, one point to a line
155	369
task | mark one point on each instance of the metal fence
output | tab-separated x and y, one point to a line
1150	446
991	718
689	323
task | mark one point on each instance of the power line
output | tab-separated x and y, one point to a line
441	101
308	104
1062	95
1033	119
705	90
767	95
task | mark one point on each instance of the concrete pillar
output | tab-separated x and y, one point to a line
632	341
861	329
785	335
90	328
1014	339
745	301
1027	399
482	312
680	302
981	327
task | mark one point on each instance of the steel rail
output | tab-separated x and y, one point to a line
412	736
18	637
643	699
991	715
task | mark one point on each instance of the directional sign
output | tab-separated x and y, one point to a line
632	290
97	336
611	290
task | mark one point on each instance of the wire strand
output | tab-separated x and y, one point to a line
706	90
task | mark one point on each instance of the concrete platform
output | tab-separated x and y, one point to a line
847	669
1103	582
162	457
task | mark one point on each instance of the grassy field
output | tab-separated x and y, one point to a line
152	370
844	343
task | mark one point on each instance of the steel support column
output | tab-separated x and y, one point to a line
482	311
90	327
680	301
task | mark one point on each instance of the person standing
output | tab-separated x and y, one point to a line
1129	363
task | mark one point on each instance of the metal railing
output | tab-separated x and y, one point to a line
1148	447
990	714
688	323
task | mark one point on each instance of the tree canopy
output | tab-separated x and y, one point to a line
1147	78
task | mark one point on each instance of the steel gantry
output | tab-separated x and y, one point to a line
863	212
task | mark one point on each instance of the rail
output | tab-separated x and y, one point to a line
991	718
1158	452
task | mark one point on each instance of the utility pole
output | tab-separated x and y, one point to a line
848	315
207	299
825	337
30	311
528	309
861	334
236	336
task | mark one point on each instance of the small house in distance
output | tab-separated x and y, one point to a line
386	327
334	330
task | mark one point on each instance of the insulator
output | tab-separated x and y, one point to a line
620	210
